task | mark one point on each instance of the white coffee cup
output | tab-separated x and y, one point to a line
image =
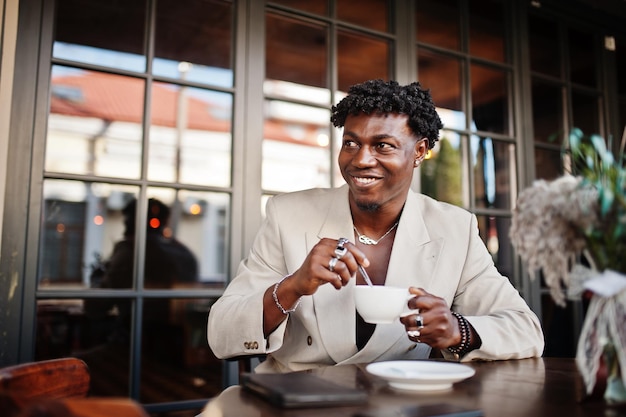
381	304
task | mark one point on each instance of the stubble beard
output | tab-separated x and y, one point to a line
368	207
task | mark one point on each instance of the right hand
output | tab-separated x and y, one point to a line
315	269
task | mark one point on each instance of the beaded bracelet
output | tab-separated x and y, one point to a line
278	304
463	347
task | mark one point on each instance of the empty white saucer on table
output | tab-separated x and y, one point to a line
420	375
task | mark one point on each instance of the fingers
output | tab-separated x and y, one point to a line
432	323
346	259
332	261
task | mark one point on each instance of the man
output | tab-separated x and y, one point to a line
292	297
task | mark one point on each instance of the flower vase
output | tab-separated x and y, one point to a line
601	353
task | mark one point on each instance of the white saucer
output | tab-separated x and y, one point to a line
420	375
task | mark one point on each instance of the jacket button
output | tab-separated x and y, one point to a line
255	345
309	340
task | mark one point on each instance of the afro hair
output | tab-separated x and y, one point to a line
378	96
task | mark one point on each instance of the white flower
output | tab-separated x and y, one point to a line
547	228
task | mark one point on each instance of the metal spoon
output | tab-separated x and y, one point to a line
365	276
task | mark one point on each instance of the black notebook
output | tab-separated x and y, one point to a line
300	390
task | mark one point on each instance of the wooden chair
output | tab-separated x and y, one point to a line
49	379
57	388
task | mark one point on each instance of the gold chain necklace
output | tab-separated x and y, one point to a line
368	240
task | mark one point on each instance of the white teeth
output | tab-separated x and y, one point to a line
364	180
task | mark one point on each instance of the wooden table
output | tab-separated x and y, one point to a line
529	387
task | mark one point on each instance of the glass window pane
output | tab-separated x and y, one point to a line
352	48
174	342
317	7
494	231
622	115
186	239
620	61
441	173
96	330
296	147
486	29
442	75
582	57
438	23
190	135
490	99
372	14
548	164
95	123
495	172
543	45
80	224
296	51
586	113
200	34
547	107
101	32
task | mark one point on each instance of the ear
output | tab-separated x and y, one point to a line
421	149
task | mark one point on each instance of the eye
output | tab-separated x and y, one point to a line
349	144
385	146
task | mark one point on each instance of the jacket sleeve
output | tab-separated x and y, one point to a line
235	324
508	328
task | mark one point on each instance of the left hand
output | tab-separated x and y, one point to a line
440	328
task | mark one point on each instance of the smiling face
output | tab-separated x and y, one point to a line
377	159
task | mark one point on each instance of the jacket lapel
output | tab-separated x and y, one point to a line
335	309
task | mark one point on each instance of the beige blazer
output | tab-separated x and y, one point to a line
437	247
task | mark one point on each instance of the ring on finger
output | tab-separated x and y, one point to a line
342	241
413	333
340	251
332	263
419	321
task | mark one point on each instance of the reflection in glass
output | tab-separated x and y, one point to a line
372	14
547	107
96	330
190	135
490	99
586	112
80	223
115	33
361	58
194	226
173	340
494	231
494	172
442	170
442	75
296	147
583	59
543	46
89	234
297	51
438	23
486	29
200	33
95	123
548	164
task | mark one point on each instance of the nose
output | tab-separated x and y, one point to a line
364	158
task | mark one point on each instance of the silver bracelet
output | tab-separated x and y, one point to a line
278	304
